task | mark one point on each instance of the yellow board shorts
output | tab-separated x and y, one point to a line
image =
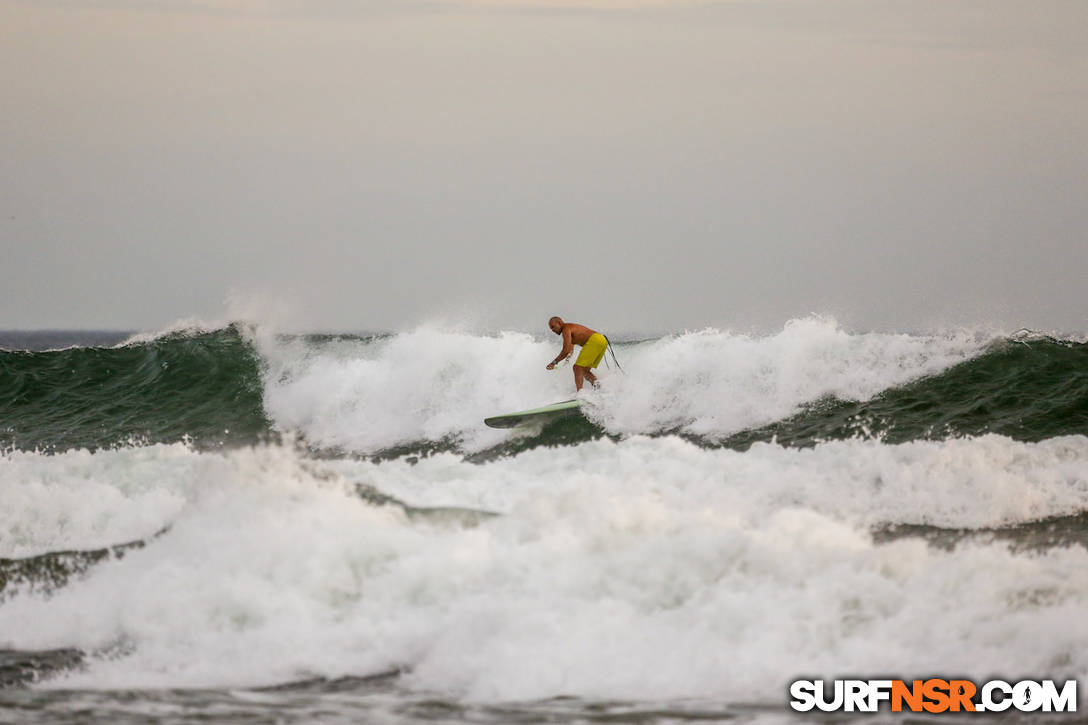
593	351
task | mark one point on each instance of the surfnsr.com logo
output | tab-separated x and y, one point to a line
933	696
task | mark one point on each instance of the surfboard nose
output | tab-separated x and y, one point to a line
534	415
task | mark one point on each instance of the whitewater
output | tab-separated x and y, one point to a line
233	523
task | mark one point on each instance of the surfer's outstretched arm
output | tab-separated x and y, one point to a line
568	348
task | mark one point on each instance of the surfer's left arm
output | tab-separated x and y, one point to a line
568	348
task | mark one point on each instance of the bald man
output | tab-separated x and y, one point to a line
593	346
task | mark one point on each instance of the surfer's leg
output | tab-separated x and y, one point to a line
591	378
579	374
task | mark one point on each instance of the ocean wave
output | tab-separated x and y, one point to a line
429	389
433	385
203	387
645	567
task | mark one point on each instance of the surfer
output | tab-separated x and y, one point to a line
593	346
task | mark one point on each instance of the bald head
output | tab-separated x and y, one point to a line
556	324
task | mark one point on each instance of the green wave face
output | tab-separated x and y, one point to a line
1026	391
204	387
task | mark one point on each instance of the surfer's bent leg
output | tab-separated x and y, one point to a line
589	358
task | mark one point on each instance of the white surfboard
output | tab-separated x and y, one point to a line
536	415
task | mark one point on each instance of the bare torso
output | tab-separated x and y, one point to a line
579	334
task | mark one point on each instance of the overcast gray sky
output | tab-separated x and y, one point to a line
900	165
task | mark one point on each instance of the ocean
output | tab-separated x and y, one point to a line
230	524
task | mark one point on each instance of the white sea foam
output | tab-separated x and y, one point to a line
431	384
80	500
647	568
